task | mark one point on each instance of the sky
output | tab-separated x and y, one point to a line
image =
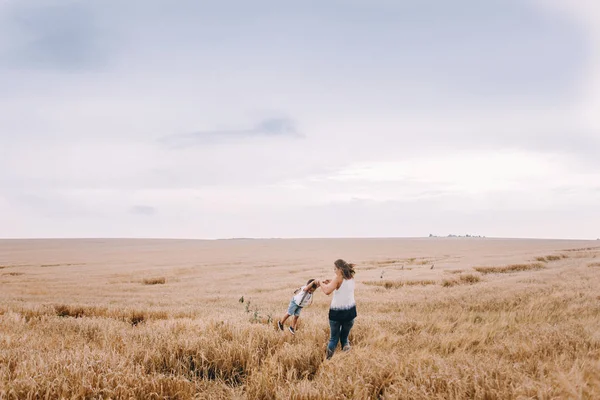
329	118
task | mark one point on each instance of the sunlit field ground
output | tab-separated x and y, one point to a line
450	318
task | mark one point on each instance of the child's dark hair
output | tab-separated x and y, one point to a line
310	283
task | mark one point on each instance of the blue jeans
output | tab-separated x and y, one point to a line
339	332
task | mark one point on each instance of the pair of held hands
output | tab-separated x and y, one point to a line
318	282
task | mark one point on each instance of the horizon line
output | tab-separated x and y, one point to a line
299	238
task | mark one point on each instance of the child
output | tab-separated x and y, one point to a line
302	298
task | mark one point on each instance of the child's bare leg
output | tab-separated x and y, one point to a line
285	318
295	321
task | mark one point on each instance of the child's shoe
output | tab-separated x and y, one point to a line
292	330
280	325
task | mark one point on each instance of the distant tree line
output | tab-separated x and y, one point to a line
431	235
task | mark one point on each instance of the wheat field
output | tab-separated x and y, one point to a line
439	318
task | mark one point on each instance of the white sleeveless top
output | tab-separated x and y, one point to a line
343	306
343	297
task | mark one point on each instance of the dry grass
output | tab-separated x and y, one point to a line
468	279
14	265
584	249
509	268
154	281
387	262
132	316
58	265
89	339
551	258
425	262
594	264
63	310
389	284
454	271
369	267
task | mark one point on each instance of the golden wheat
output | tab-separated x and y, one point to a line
154	281
454	271
594	264
388	284
509	268
552	258
467	279
64	335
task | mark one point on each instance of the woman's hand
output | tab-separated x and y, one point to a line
328	286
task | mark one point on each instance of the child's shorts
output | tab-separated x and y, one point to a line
294	309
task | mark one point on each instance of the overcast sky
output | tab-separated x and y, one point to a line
328	118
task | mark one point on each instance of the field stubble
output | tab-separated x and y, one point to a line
494	338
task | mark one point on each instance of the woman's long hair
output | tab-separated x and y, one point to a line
346	268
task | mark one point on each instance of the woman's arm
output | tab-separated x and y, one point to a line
329	287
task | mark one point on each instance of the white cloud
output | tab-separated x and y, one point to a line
475	171
586	14
407	114
477	178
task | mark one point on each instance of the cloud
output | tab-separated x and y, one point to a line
468	103
143	210
47	204
586	14
266	128
57	36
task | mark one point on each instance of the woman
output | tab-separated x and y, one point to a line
343	308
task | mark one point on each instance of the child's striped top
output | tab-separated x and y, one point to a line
302	298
